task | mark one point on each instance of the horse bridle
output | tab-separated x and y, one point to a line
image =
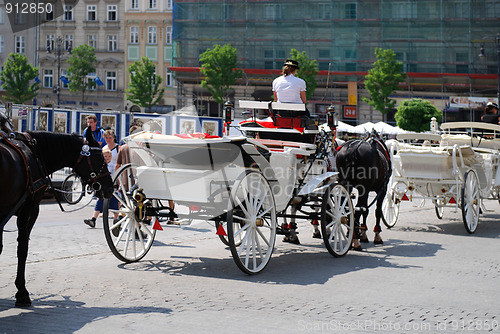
93	176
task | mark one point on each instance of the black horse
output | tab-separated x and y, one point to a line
26	160
366	166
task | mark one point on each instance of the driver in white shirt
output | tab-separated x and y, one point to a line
287	88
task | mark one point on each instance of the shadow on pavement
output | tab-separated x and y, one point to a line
52	315
300	265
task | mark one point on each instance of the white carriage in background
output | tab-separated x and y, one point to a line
242	184
458	168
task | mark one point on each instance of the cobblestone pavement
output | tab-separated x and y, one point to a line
430	276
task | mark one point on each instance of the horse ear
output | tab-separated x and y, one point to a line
90	139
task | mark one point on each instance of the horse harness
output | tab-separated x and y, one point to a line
93	176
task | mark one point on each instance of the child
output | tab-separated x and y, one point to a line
113	201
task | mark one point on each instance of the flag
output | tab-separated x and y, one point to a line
64	80
98	81
37	80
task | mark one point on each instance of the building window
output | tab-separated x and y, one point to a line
134	35
151	35
20	18
91	12
112	13
111	81
461	9
68	42
350	11
47	79
169	78
112	43
68	13
2	44
168	35
134	4
92	41
19	44
170	4
404	10
49	16
91	80
151	4
272	11
273	59
324	11
492	9
49	42
2	15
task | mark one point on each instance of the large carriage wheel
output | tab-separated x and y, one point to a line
390	208
73	189
470	201
251	222
337	220
131	235
439	207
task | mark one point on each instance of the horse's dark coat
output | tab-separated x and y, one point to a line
366	166
54	151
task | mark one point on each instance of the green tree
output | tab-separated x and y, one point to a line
219	66
16	78
307	71
416	114
146	88
83	61
383	79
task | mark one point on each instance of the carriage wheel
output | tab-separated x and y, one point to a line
390	209
73	189
251	222
470	201
439	207
337	220
129	237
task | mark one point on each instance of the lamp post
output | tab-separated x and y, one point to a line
58	48
482	54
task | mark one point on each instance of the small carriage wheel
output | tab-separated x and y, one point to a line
439	207
129	238
390	207
470	201
337	220
73	189
251	222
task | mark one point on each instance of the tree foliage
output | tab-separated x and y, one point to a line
219	66
416	114
146	88
383	79
307	71
16	77
83	61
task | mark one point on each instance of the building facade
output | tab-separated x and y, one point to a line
148	33
98	23
438	42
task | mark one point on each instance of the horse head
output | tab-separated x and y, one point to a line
92	167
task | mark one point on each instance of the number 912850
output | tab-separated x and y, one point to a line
28	8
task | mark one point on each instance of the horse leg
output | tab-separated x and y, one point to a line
25	222
361	210
363	228
378	216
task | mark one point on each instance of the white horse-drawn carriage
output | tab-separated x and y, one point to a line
242	184
458	168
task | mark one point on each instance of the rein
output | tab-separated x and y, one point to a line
93	176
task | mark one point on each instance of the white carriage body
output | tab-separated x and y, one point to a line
438	171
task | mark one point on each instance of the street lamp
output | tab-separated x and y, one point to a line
58	47
482	55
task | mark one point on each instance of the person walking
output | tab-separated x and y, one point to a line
97	132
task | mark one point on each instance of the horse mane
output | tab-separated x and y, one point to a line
5	123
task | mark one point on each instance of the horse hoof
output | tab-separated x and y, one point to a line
291	240
317	235
23	302
378	242
358	248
